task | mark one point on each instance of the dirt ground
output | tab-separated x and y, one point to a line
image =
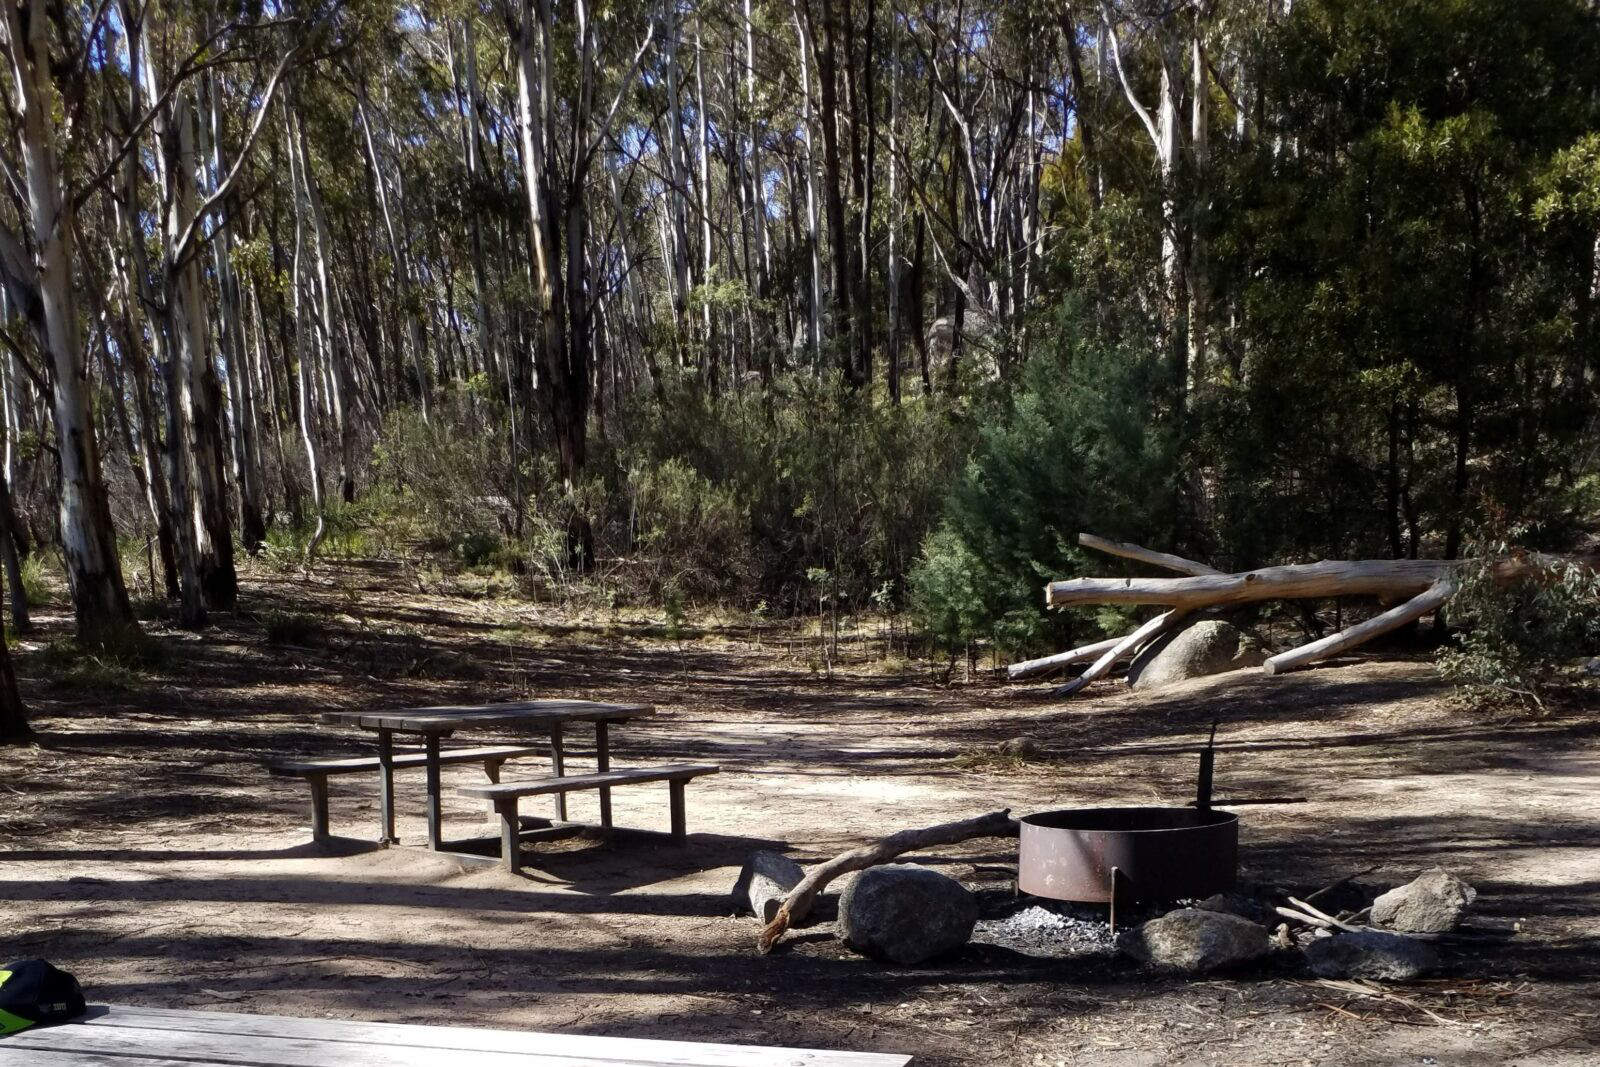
143	847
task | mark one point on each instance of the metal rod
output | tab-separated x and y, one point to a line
1208	762
1113	896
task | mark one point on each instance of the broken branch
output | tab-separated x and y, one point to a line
1164	560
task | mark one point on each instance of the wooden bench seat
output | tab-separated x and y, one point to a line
505	795
317	771
125	1036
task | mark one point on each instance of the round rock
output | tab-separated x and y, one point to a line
905	914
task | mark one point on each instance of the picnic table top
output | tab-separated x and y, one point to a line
467	716
118	1036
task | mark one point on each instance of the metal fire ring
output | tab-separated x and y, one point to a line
1158	854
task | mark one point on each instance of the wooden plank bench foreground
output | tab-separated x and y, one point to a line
505	796
120	1036
317	771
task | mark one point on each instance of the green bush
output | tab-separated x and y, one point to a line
696	534
1517	638
1083	448
35	581
830	478
289	628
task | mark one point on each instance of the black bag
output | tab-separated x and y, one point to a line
34	992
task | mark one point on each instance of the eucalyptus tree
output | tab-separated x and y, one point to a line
47	47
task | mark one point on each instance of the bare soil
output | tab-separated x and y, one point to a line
146	850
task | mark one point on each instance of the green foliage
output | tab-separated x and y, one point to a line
35	581
290	628
119	661
1518	638
1083	448
694	533
807	475
1411	281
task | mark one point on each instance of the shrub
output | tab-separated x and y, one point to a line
1082	448
35	581
696	533
289	628
1518	637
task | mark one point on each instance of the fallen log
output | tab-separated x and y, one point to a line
797	904
1045	665
1165	560
1430	599
1331	578
1125	646
1392	578
1033	668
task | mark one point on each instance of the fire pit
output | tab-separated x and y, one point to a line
1121	855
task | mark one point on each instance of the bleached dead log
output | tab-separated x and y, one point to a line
1415	608
1124	647
1164	560
1033	668
1330	578
797	905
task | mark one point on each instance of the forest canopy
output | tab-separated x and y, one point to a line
788	302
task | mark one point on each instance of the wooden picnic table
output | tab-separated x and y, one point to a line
435	723
118	1036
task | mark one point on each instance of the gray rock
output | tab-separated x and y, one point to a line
1370	954
905	914
1432	903
1201	649
764	881
1241	904
1192	940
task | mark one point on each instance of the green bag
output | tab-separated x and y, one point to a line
34	992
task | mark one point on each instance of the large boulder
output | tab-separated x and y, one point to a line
1434	902
1370	954
1192	940
764	880
1204	648
905	914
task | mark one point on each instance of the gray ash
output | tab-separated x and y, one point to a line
1036	930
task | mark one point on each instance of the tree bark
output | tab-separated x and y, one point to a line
89	545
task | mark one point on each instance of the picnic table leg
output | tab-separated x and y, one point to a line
510	834
558	767
491	770
602	752
319	807
386	833
435	814
680	828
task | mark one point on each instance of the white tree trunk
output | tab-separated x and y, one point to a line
100	600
